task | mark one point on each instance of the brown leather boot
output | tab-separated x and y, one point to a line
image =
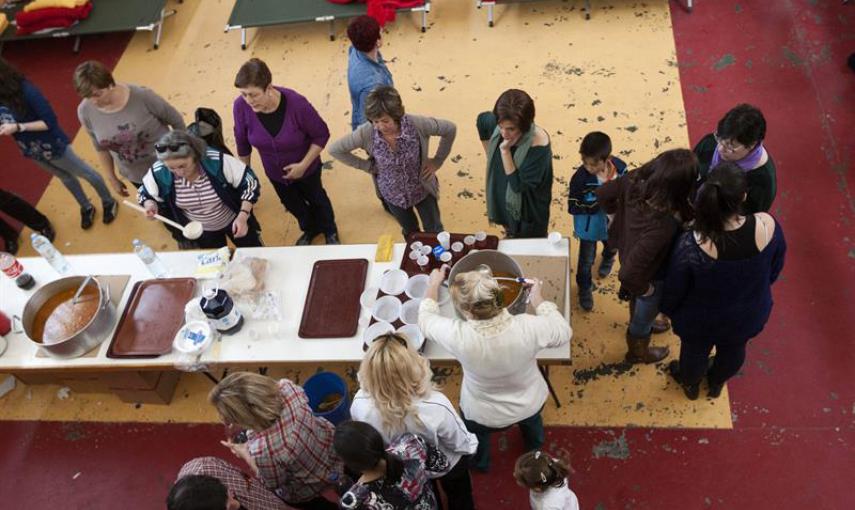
638	350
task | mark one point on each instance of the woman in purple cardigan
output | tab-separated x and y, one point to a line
289	135
718	289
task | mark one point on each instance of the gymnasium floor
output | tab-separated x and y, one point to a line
648	73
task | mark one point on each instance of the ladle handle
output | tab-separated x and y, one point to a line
156	216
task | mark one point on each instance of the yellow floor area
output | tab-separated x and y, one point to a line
616	73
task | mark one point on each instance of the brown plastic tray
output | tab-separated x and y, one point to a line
332	302
412	268
152	317
429	238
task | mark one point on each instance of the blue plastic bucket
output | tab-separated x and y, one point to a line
321	386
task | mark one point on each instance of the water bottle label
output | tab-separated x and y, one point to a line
438	251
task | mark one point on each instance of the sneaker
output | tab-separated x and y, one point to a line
110	211
306	238
87	217
586	299
332	238
606	267
48	232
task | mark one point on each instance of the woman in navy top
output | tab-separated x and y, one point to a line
26	115
718	290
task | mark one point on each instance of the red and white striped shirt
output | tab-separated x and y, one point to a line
199	202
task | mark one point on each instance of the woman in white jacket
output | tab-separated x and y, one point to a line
396	396
502	385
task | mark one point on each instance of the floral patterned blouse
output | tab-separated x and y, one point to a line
412	492
399	170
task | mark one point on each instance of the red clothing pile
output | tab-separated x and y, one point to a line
384	10
51	18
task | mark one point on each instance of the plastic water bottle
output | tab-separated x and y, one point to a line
149	257
47	250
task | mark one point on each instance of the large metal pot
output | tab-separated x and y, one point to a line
498	262
93	333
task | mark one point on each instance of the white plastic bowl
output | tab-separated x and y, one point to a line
194	338
413	335
416	286
393	282
375	330
387	308
410	311
368	297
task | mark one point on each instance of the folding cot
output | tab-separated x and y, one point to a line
489	4
261	13
107	16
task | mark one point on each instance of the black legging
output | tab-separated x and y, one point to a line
694	355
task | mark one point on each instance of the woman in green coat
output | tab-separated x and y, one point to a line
519	166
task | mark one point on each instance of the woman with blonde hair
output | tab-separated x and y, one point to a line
502	385
396	396
288	447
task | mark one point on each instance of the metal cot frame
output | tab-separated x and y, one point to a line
330	18
78	31
490	4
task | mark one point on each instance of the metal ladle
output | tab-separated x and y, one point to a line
83	285
192	230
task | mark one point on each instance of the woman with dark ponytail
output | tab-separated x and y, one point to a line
718	286
391	477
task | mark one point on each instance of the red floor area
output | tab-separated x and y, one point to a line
50	63
792	443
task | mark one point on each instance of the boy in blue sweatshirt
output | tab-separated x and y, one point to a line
590	224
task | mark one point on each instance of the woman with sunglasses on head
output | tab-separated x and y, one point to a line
123	121
192	182
26	115
739	139
396	396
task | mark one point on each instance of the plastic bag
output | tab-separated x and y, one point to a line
245	276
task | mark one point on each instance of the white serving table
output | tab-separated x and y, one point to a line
259	343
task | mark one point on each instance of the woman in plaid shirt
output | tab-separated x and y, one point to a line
288	447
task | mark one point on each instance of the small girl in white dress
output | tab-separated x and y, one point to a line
546	479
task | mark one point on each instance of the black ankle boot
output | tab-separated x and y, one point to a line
690	390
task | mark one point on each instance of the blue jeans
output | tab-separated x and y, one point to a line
69	168
643	312
587	254
532	432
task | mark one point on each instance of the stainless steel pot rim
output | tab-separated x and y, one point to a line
103	301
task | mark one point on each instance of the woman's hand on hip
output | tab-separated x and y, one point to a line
150	208
239	226
429	169
294	171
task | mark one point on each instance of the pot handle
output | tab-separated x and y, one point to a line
17	325
106	289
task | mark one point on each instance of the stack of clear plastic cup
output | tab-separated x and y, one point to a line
444	240
423	261
469	241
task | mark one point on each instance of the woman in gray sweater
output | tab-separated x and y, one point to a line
397	146
123	121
